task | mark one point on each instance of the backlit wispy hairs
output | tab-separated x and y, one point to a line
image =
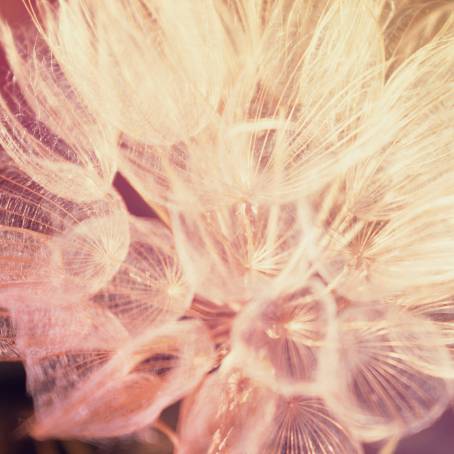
297	290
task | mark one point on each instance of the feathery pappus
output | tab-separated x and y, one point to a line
295	289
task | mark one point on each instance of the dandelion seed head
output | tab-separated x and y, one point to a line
294	289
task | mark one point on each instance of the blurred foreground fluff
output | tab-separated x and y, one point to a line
296	289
